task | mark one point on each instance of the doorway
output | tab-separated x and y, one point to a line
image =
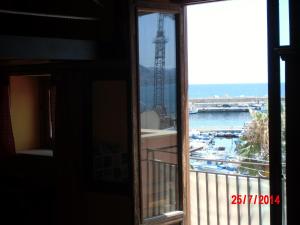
229	113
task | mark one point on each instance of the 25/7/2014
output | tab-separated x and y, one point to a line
255	199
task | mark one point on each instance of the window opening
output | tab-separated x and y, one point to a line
228	113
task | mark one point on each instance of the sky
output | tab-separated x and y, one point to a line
147	28
227	42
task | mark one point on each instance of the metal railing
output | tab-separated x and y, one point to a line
211	192
160	182
212	196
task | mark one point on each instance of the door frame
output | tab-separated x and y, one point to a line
273	102
273	93
182	110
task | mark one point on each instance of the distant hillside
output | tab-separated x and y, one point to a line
147	77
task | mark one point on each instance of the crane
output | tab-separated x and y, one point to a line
159	67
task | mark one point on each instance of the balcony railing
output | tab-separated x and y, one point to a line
212	196
211	193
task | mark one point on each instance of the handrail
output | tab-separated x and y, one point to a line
227	174
227	161
162	149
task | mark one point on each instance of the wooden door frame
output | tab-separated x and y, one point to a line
182	96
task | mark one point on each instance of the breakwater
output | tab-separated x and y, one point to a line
228	104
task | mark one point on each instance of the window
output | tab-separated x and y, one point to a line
154	116
159	104
284	41
32	103
158	113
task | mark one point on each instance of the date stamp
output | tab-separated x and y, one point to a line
255	199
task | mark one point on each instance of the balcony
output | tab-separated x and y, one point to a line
211	195
212	199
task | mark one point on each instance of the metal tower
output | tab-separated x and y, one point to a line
159	67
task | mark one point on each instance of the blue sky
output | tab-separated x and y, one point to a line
147	26
227	41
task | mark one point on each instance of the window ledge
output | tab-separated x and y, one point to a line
166	218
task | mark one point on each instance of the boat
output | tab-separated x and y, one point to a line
197	145
193	109
220	148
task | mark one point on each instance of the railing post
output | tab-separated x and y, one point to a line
248	204
207	199
198	196
227	200
217	199
238	205
259	206
148	185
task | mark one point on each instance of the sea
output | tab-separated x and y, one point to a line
224	119
208	120
232	90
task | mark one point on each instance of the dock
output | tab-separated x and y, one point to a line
231	100
223	109
231	129
227	104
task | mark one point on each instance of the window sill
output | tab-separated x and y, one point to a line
166	218
37	152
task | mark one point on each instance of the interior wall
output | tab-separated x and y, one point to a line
109	112
25	116
103	208
77	202
110	126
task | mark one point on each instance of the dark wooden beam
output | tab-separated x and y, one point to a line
21	47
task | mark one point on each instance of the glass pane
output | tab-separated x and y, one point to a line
284	23
158	119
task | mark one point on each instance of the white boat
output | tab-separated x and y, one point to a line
193	109
197	145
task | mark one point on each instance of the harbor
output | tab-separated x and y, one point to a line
227	104
216	147
216	128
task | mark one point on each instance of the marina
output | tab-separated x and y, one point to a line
217	125
213	150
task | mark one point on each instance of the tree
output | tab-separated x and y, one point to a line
255	142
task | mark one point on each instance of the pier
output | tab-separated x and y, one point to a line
227	104
231	129
231	100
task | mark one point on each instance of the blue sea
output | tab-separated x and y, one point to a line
208	120
219	120
225	119
231	90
